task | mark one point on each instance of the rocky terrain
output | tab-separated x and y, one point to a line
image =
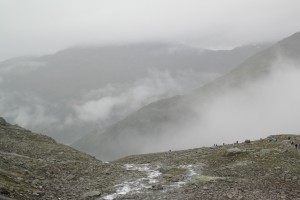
34	166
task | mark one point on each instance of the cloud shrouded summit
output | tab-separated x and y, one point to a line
259	97
39	27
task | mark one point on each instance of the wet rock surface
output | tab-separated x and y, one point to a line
34	166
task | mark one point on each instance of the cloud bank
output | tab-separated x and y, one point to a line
112	103
259	109
39	27
95	109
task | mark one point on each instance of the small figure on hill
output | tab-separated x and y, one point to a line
237	142
296	146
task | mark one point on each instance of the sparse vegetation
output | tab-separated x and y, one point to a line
34	166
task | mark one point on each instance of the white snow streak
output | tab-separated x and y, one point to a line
136	185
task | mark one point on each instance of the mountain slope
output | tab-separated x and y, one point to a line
53	89
34	166
144	129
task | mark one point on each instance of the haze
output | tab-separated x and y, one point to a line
115	77
35	27
256	110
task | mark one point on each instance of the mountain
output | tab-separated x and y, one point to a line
144	130
34	166
52	93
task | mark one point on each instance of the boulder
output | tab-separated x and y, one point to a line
233	151
247	141
157	187
94	193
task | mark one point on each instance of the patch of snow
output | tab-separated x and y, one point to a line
192	173
138	184
150	178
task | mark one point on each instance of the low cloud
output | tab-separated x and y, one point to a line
25	110
113	103
96	109
41	27
256	110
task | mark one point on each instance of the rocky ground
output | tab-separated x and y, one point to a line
34	166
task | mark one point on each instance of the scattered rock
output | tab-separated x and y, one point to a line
3	189
34	166
233	151
94	193
277	168
205	188
265	151
157	187
35	182
71	177
19	179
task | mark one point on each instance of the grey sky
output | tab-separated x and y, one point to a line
45	26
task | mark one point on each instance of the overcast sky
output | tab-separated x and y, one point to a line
45	26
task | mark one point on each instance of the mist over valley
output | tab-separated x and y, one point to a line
149	99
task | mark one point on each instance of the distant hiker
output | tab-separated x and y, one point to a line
237	142
296	146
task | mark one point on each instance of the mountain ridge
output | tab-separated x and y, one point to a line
71	77
155	117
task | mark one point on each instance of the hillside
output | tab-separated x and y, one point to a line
34	166
55	90
142	130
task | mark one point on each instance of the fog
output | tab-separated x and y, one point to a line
94	63
42	27
119	101
80	90
256	110
93	110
